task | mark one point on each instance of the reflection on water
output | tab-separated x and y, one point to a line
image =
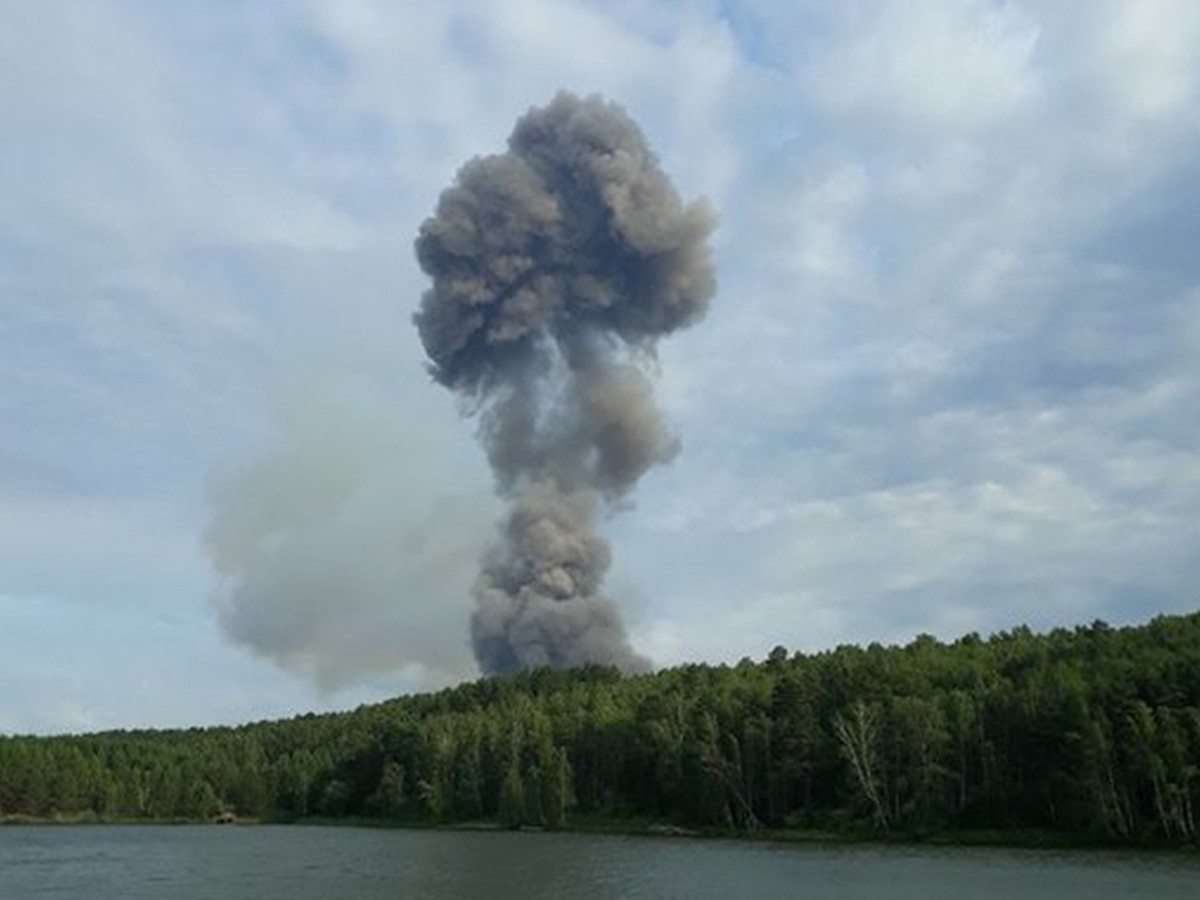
296	863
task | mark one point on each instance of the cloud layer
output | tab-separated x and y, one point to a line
948	383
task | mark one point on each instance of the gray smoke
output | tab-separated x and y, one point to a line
338	552
556	267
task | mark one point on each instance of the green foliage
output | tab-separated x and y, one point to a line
1093	731
511	811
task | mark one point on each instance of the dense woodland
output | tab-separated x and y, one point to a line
1087	732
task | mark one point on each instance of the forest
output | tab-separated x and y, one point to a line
1091	733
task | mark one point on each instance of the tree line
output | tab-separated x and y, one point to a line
1090	731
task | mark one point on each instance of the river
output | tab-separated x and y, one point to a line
307	863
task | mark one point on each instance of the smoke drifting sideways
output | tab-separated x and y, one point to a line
556	267
345	548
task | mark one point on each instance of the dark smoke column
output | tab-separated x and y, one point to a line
556	268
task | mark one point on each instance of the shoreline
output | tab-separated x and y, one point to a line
1028	839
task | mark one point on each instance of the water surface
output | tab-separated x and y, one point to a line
301	863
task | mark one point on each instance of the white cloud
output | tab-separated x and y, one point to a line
931	71
1140	58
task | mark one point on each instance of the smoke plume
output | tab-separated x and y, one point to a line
338	551
556	267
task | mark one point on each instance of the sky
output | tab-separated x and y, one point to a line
948	383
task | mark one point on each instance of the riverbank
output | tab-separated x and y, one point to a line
650	827
91	818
